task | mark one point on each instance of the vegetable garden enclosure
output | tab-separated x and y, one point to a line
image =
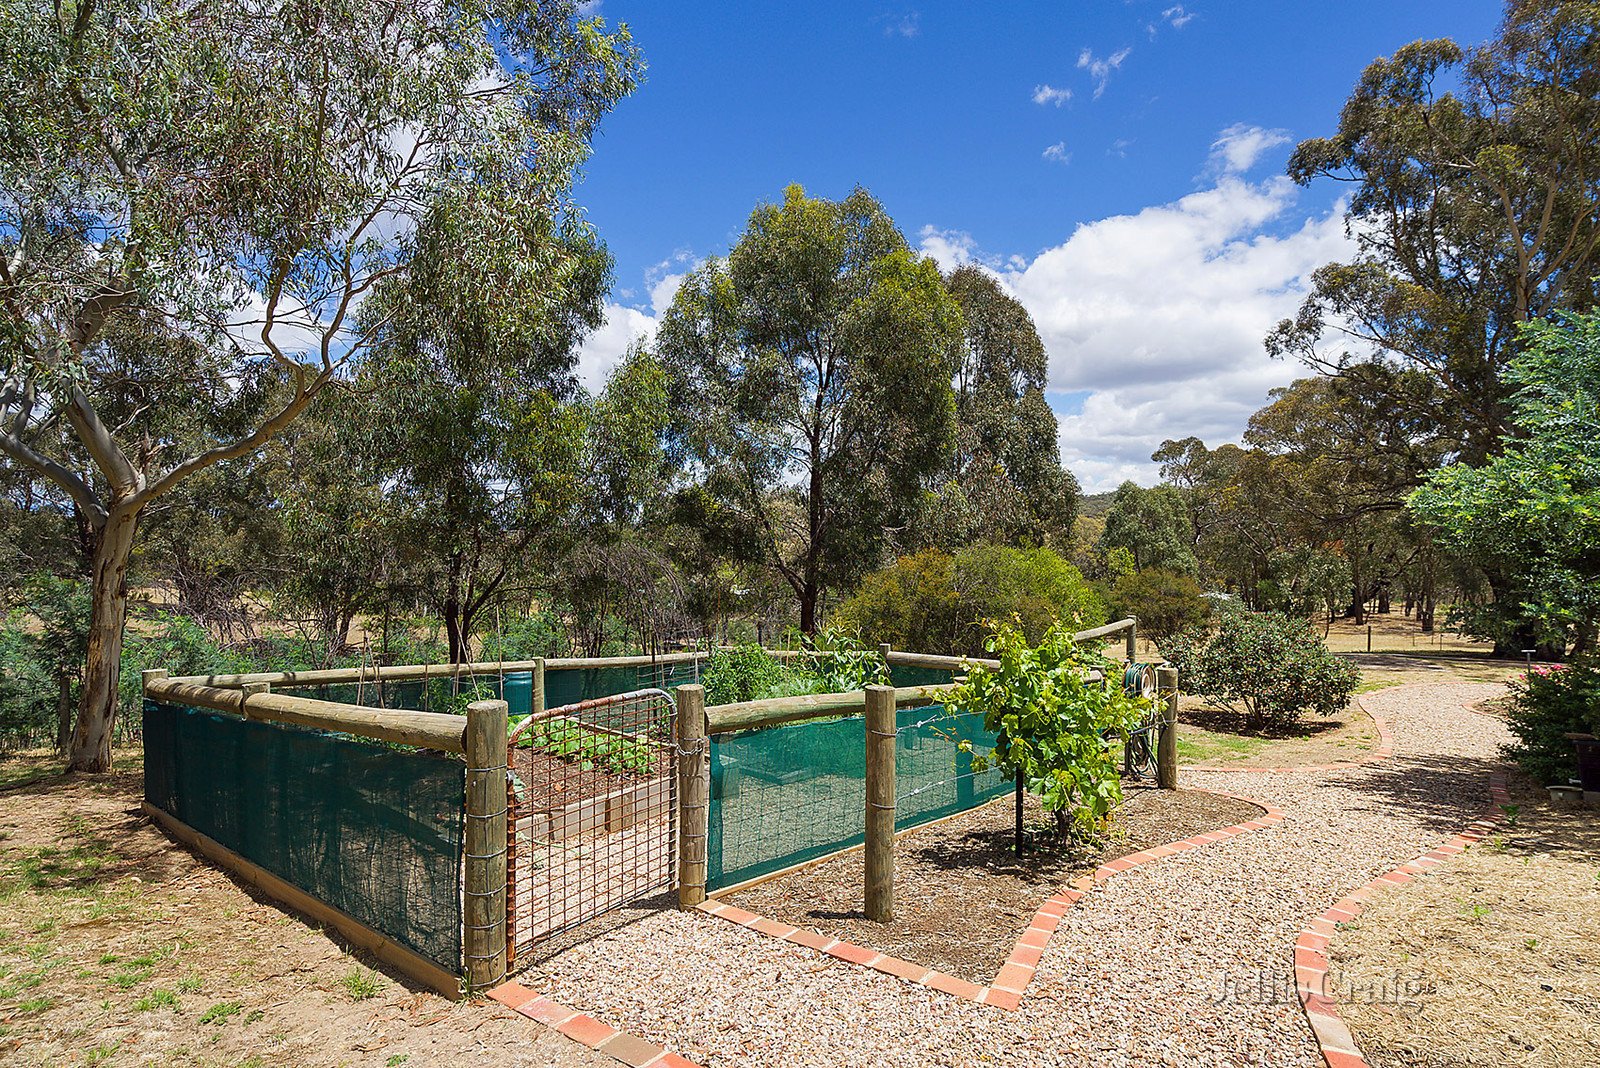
452	846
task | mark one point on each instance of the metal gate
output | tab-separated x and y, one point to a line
592	792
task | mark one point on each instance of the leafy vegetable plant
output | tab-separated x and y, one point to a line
586	747
1059	731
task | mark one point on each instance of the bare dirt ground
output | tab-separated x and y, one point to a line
118	946
1493	960
962	895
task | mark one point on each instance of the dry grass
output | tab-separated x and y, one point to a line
119	947
1494	960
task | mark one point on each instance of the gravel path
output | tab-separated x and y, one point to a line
1185	961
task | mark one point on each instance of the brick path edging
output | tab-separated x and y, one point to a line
1006	990
586	1030
1338	1045
1383	751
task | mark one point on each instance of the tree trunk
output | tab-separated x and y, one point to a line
808	609
64	713
97	707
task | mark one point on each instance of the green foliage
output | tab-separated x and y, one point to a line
524	636
745	673
932	601
1546	705
41	658
832	661
1059	732
809	376
1153	526
1004	482
1272	667
838	662
1164	601
587	748
1533	511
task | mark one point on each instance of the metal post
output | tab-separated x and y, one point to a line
1018	812
1167	746
880	804
694	795
484	891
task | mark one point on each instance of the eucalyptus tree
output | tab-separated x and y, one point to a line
810	376
1152	524
1475	207
230	182
1004	482
1533	510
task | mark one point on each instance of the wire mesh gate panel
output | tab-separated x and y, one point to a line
784	795
592	797
373	830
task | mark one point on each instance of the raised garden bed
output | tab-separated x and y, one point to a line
962	896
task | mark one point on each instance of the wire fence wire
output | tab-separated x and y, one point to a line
592	795
785	795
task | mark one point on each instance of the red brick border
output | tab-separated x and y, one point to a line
1338	1046
1014	976
1384	750
600	1037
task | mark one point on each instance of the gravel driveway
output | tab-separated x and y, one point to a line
1185	961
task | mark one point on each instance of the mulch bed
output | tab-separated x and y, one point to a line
962	896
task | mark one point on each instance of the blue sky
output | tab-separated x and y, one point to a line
1117	164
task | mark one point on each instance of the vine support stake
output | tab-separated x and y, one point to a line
1167	747
484	889
880	721
694	795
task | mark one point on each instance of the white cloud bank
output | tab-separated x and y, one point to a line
1156	319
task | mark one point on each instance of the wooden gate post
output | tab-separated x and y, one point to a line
537	701
484	892
694	795
1133	640
1167	747
880	804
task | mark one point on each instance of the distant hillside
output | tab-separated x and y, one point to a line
1094	505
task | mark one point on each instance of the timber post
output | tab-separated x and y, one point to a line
484	889
537	699
1133	639
1167	747
694	795
880	724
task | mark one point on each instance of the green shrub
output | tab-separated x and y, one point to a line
1272	667
523	637
1547	704
933	602
1060	732
741	674
836	661
1165	602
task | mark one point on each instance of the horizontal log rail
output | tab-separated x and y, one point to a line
430	730
425	672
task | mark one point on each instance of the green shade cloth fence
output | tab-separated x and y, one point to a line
372	830
785	795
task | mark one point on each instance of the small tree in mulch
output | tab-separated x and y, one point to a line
1271	667
1056	730
1548	703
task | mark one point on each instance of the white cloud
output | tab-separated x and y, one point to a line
1049	94
1057	153
602	350
904	24
1237	148
1177	17
1156	319
1100	68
